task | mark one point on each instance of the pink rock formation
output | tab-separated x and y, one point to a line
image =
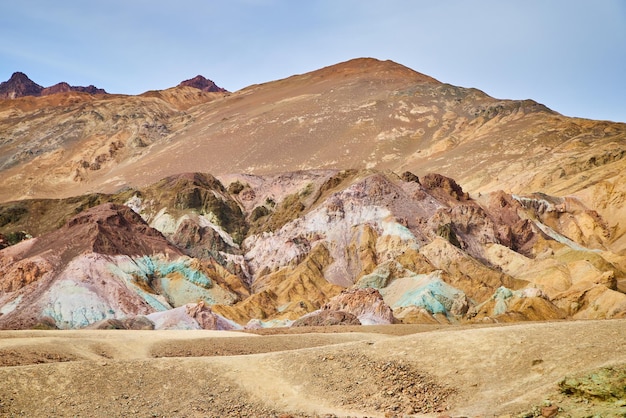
365	304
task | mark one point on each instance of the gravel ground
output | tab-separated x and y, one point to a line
495	371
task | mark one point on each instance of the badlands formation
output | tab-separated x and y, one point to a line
418	215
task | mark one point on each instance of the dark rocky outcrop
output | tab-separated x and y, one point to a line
63	87
112	229
19	85
445	185
204	84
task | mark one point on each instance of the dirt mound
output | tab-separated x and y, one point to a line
237	346
27	355
149	388
353	380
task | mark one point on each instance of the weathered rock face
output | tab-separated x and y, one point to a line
375	246
105	263
22	273
367	305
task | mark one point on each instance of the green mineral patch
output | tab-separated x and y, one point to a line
12	213
599	393
606	384
176	282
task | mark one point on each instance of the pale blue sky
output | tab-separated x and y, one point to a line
567	54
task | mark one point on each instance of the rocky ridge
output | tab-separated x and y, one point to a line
19	85
310	247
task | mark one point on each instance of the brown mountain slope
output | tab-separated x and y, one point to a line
366	113
50	146
362	113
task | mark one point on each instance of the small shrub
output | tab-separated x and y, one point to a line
258	213
446	231
11	214
16	237
307	190
236	187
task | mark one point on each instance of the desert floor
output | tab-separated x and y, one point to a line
386	371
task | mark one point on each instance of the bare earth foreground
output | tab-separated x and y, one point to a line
395	370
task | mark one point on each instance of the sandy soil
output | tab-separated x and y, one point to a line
378	371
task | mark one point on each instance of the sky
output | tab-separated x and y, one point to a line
569	55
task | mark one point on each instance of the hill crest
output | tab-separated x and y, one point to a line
19	85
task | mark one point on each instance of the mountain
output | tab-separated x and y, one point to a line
19	85
363	113
361	192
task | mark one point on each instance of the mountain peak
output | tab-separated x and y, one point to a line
374	67
19	85
17	76
203	84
